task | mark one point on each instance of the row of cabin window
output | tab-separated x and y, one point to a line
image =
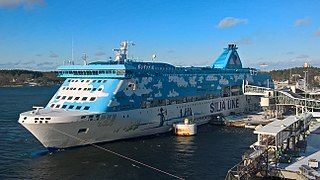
76	98
79	89
70	107
82	80
118	71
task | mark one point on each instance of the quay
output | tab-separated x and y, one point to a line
287	146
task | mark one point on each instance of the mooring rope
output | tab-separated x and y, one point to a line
118	154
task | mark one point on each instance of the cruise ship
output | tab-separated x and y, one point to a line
124	98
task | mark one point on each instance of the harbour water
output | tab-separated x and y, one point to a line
208	155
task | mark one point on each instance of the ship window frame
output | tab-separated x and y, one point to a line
57	106
92	98
52	105
71	107
70	98
76	98
64	97
86	108
78	107
84	98
64	106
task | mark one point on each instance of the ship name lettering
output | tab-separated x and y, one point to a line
224	105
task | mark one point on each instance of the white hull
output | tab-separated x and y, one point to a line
64	130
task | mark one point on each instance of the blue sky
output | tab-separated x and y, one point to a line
37	34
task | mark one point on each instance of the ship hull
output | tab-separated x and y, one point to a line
134	123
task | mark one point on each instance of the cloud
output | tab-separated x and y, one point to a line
230	21
27	4
302	22
302	56
170	51
318	32
289	53
100	53
244	41
53	55
39	55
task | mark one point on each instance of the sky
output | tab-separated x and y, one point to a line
38	34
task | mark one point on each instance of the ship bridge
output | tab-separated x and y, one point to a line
94	70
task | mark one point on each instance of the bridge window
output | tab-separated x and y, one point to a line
58	105
71	107
76	98
100	89
79	89
94	89
70	97
92	99
58	97
52	105
84	98
64	106
86	108
78	107
99	81
63	97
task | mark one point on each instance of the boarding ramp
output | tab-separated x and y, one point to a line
256	90
285	98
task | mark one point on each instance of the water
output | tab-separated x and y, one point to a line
208	155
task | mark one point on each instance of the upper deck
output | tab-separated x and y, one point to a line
227	63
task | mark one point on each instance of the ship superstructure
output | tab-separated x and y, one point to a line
122	98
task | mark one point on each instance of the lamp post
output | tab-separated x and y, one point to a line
305	100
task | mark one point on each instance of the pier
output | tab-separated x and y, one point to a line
277	141
282	140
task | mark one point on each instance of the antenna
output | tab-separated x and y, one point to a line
72	50
84	58
122	52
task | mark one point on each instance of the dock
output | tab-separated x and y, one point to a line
279	144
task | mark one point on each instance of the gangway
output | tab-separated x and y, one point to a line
285	98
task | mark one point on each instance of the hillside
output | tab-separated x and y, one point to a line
297	73
26	77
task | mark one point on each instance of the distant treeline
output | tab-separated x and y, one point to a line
26	77
296	73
